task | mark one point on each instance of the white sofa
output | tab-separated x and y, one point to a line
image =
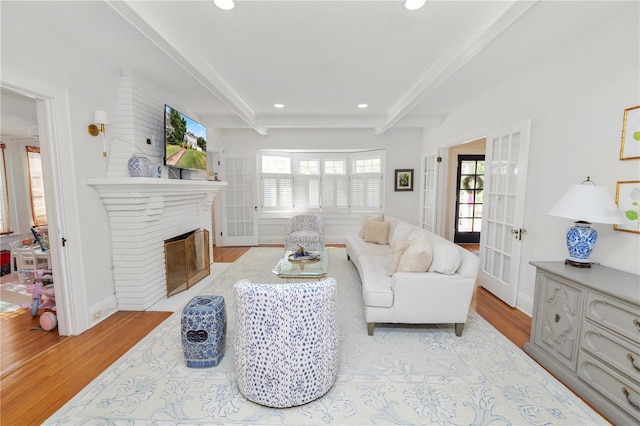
423	296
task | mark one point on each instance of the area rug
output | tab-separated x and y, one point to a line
401	375
13	296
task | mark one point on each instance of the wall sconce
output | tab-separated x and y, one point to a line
100	117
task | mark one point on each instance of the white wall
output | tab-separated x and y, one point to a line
575	98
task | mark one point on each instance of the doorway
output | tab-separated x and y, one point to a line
22	335
469	193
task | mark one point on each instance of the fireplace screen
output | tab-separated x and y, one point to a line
186	260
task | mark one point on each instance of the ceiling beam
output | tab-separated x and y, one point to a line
485	29
186	58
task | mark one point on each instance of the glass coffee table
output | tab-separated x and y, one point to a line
288	267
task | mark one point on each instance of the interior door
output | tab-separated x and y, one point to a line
428	191
503	210
239	207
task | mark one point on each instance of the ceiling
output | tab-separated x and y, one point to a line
318	58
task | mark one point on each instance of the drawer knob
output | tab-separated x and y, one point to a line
636	322
633	404
556	318
630	358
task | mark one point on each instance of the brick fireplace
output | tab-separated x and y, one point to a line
143	213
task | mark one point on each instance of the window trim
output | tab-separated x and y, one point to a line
35	150
5	207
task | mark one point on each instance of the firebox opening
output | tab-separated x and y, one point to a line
186	260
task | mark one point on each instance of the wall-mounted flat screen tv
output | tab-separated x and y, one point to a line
185	141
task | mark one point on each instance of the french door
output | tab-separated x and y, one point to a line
430	178
239	208
503	210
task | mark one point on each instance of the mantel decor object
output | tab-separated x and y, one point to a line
139	166
585	203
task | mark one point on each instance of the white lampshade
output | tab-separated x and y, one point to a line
414	4
588	203
100	117
224	4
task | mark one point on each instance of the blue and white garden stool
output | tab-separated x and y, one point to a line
204	328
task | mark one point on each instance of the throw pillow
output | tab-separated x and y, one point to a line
400	231
417	257
376	232
397	250
446	259
365	219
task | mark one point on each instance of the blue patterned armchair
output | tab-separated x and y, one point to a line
304	230
286	341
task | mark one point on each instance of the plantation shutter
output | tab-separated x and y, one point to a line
366	193
277	193
335	194
306	193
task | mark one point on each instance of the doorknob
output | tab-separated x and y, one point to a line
518	233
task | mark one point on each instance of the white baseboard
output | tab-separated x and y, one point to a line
525	303
102	310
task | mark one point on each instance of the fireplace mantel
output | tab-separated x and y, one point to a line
145	186
143	212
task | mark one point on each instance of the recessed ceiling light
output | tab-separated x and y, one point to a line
414	4
224	4
363	105
278	105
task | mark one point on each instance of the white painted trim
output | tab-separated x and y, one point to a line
54	125
103	310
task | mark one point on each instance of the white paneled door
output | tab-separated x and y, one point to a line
503	210
428	195
239	207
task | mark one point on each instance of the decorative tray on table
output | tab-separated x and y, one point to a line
307	257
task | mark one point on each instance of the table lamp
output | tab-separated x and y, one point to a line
586	203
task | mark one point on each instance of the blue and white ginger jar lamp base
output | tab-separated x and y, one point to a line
581	239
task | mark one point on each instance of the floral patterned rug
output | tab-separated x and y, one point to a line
401	375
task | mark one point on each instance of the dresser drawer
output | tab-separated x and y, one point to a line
623	391
620	353
616	316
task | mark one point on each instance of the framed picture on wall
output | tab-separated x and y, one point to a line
628	200
404	180
630	144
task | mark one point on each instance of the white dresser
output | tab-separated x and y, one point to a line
586	331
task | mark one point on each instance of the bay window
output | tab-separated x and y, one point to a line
321	182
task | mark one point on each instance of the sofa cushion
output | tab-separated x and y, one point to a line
400	231
376	232
418	233
446	259
397	250
417	257
365	219
376	285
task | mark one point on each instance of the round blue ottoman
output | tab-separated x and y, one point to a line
204	327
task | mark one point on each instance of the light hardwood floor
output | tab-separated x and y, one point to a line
44	376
